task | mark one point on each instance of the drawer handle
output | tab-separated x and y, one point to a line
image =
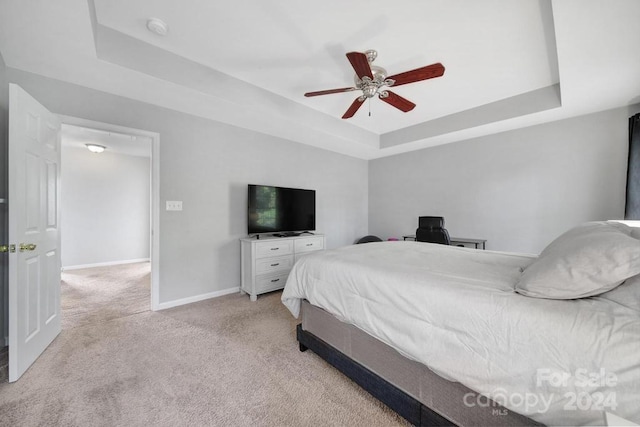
275	280
309	244
274	249
275	265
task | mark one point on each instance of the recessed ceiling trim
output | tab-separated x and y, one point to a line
236	102
543	99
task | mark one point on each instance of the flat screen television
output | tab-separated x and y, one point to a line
281	210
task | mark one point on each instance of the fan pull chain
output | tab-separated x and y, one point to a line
369	107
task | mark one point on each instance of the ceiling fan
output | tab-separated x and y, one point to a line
373	80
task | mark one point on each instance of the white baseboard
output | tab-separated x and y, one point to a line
201	297
105	264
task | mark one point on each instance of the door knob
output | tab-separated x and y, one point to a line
7	248
27	247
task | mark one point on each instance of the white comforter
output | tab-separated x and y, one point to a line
455	310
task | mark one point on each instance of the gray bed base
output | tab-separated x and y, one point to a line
408	387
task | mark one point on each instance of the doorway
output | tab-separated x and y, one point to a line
34	225
109	218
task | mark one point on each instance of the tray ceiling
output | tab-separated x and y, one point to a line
248	63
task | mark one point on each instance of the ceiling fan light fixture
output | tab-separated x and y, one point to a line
379	76
373	80
95	148
370	90
371	55
157	26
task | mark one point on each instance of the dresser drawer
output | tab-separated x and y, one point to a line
309	244
273	264
274	248
271	282
265	263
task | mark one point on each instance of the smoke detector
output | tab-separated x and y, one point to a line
157	26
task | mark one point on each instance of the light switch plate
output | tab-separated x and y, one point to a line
174	205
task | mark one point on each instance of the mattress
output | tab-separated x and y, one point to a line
455	310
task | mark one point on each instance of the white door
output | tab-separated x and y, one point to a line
34	218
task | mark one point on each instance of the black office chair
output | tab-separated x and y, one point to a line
431	229
369	239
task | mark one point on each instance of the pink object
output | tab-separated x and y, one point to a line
392	239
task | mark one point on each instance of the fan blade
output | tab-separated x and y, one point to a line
330	91
360	64
397	101
419	74
352	110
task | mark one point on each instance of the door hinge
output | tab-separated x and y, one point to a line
8	248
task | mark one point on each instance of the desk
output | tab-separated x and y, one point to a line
455	240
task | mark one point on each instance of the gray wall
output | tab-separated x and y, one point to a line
105	200
518	189
4	238
208	165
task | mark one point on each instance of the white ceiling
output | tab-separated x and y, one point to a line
114	142
248	63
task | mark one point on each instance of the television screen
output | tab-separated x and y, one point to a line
278	209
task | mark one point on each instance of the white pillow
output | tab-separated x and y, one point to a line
587	260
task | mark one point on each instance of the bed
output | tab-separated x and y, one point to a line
451	335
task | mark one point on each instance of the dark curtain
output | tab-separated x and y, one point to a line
632	209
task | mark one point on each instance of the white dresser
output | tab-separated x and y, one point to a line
265	263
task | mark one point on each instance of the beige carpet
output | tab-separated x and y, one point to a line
98	294
221	362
